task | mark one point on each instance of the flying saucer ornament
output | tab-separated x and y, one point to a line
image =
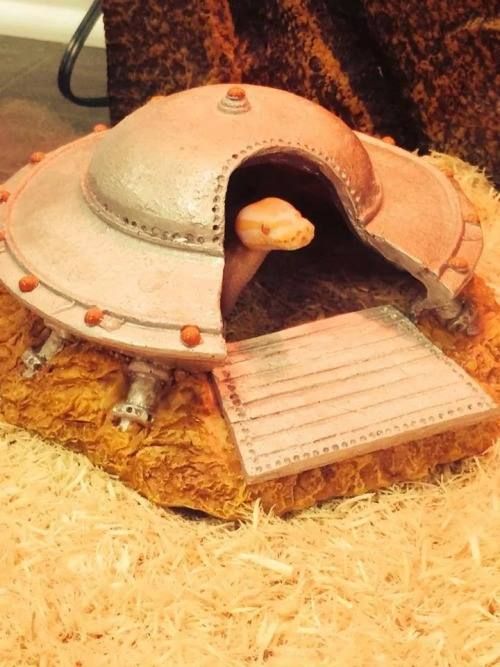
118	238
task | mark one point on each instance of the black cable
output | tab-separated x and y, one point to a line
71	54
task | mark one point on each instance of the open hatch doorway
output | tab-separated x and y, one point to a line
335	273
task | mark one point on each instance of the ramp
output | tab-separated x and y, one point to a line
340	387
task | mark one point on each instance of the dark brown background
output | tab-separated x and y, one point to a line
423	71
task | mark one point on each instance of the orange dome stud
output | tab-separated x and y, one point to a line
389	140
447	172
100	127
236	93
28	283
459	264
190	335
93	316
36	157
4	196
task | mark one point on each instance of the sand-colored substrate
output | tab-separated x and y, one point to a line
93	575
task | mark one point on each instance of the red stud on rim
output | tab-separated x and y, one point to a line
93	316
36	157
190	335
28	283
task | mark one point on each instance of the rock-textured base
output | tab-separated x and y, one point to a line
186	458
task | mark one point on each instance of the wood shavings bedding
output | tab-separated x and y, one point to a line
93	575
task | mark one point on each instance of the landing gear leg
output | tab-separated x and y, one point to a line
146	382
458	316
34	361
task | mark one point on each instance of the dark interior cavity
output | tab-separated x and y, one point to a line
336	273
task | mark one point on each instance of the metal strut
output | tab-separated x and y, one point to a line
146	382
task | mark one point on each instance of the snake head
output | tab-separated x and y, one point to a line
273	224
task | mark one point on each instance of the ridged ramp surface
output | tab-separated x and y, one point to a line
340	387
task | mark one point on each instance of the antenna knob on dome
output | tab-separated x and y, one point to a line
235	101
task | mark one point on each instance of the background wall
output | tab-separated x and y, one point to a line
50	20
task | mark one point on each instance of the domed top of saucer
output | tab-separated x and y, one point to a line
131	221
161	174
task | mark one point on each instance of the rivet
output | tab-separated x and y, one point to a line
389	140
459	264
4	196
36	157
236	93
28	283
93	316
235	101
190	335
100	127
